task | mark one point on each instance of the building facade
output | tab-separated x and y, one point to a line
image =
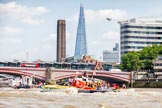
139	33
158	67
112	56
61	40
116	48
81	44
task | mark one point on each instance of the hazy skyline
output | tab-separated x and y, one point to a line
29	26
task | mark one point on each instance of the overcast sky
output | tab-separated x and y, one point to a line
29	26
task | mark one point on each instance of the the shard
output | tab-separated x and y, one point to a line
81	44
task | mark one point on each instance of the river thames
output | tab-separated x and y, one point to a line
33	98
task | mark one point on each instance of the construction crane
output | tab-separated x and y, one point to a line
110	19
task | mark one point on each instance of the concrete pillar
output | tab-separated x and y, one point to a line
132	78
50	76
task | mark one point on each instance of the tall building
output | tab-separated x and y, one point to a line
61	40
112	56
137	34
81	45
116	48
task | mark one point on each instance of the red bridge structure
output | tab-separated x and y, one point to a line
40	73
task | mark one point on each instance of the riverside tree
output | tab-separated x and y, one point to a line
135	61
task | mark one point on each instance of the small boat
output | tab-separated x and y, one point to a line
93	91
54	87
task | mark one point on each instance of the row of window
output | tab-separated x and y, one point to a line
132	47
138	42
140	32
111	60
158	64
140	27
140	37
124	52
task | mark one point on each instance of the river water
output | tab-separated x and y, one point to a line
33	98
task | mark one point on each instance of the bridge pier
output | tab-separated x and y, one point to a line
132	79
50	76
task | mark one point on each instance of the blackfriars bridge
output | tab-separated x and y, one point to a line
40	73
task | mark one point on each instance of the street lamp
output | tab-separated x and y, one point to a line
27	56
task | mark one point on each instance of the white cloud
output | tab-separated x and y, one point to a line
32	21
50	41
95	42
106	39
52	37
10	34
100	15
111	35
10	31
68	35
10	41
73	18
21	12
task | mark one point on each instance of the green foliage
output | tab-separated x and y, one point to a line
135	61
130	61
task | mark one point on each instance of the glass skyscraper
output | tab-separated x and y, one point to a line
81	45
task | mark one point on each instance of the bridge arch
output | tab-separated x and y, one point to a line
40	73
105	77
17	72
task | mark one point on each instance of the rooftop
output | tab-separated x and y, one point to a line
143	21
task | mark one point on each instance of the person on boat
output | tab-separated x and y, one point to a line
108	85
20	85
98	86
104	84
70	81
39	85
94	86
66	83
85	77
114	86
124	86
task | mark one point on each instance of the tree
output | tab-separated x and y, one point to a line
131	62
135	61
147	55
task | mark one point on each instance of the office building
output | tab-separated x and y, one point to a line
81	45
61	40
116	48
139	33
112	56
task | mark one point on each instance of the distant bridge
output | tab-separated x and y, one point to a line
40	73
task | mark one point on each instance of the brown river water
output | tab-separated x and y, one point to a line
33	98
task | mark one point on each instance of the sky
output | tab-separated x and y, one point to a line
28	28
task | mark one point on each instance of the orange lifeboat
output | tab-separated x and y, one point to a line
82	85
